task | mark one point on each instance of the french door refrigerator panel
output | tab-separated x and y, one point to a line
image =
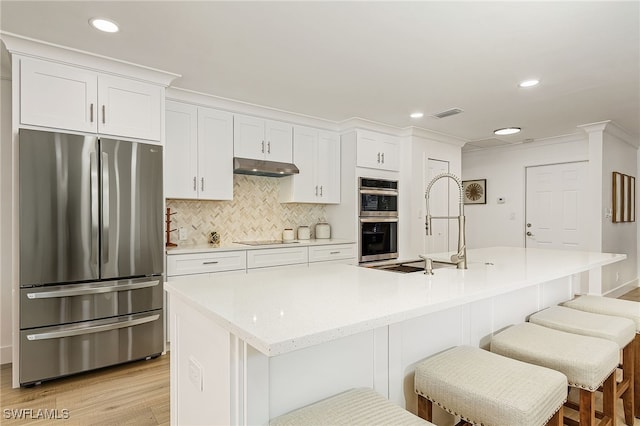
131	227
91	285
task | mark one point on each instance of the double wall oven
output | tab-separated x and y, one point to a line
378	201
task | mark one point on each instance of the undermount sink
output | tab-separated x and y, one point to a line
410	266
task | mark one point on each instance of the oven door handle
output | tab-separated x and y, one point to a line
93	329
92	290
378	192
378	219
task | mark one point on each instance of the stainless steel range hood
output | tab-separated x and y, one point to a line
248	166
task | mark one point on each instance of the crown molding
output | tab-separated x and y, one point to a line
232	105
423	133
536	143
29	47
612	128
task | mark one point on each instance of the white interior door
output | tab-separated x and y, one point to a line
556	206
438	206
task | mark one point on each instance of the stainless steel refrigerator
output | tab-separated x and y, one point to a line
91	253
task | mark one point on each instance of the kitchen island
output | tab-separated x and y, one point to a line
247	348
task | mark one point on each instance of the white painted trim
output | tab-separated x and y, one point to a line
612	128
422	133
572	137
5	355
25	46
247	108
623	289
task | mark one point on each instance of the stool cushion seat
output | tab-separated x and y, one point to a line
586	361
607	306
488	389
617	329
362	406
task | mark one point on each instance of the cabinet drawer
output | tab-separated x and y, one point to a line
198	263
277	257
332	252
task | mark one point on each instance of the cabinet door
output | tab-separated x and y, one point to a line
54	95
129	108
181	150
215	154
279	137
303	187
390	153
328	167
248	137
368	150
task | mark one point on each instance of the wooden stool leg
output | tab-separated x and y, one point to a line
609	398
425	408
587	408
628	377
636	376
557	419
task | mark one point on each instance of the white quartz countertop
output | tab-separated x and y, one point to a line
207	248
283	310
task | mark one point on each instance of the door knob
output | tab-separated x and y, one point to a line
528	225
529	234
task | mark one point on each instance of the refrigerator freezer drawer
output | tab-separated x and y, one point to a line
51	352
62	304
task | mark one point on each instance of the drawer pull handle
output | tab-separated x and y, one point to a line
213	262
334	252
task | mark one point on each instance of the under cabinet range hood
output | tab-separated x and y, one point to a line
248	166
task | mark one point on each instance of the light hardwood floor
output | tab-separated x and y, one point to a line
130	394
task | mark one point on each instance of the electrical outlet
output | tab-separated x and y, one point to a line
183	234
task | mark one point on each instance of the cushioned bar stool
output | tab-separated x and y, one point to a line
619	330
619	308
362	406
588	362
488	389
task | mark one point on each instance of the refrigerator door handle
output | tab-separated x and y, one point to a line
77	331
105	207
95	207
91	290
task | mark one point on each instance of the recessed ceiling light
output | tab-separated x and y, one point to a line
529	83
104	25
416	115
507	131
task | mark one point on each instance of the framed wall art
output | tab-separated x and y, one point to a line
475	191
623	198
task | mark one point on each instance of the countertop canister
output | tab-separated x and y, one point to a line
287	234
323	230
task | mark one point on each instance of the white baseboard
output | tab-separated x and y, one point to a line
5	355
624	288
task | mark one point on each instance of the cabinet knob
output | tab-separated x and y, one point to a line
529	234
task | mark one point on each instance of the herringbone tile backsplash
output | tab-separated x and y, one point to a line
253	214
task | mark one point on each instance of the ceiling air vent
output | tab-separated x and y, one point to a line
447	113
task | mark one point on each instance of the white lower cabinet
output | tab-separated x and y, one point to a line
199	263
339	253
264	258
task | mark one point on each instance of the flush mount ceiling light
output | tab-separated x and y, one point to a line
105	25
529	83
416	115
507	131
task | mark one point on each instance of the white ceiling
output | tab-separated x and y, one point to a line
379	60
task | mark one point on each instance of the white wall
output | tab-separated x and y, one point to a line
618	156
5	220
421	149
504	168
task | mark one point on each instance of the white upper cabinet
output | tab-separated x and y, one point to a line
261	139
66	97
378	151
316	153
198	152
